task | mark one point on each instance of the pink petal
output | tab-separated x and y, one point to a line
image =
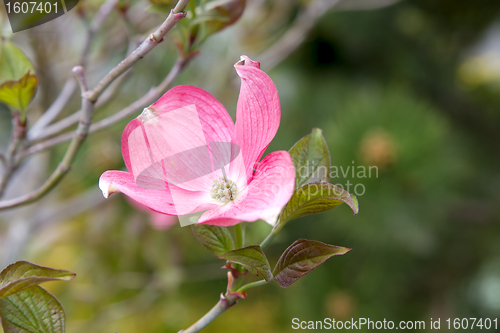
267	193
217	123
258	112
180	128
160	200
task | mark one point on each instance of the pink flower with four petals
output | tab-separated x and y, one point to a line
185	155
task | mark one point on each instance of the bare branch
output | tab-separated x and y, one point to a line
72	119
69	156
102	14
67	91
139	104
139	52
296	34
147	45
10	165
54	110
94	27
216	311
88	100
306	20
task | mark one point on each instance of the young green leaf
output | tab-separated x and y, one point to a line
18	81
18	93
252	258
216	239
33	310
23	275
14	64
316	198
311	159
302	257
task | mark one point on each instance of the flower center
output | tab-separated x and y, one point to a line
223	191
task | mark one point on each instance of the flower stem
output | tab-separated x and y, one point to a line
239	236
270	237
252	285
216	311
268	240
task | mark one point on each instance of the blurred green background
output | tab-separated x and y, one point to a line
412	88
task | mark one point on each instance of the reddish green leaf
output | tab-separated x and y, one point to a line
302	257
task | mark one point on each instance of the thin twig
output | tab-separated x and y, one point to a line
17	136
65	123
93	27
296	34
147	45
37	130
88	100
103	12
139	104
69	156
72	119
54	110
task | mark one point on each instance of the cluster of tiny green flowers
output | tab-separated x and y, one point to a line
222	190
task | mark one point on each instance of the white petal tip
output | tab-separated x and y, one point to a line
147	114
246	61
270	216
106	188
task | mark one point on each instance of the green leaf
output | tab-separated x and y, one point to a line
18	94
316	198
252	258
220	15
33	310
14	64
216	239
302	257
18	81
311	159
23	275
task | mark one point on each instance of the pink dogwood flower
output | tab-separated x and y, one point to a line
185	155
